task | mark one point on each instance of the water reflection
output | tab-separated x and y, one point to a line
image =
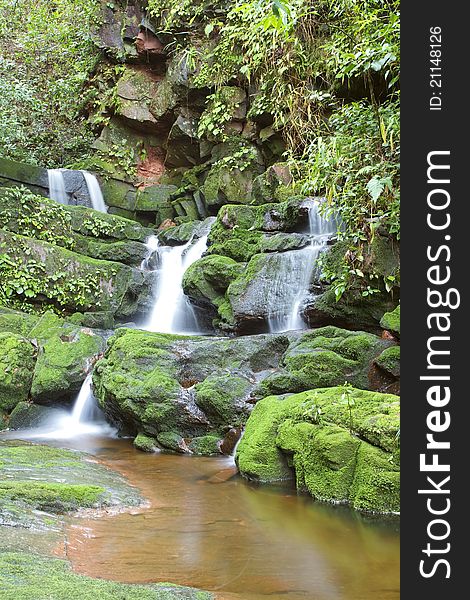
215	532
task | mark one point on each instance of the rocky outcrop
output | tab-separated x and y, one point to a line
44	358
339	444
58	256
177	390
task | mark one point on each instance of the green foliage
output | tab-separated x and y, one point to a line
36	217
47	58
25	282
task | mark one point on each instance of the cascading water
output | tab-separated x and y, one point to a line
94	191
57	186
85	418
294	271
172	311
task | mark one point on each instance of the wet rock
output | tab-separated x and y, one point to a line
177	388
145	443
339	444
230	440
327	356
27	415
17	360
391	321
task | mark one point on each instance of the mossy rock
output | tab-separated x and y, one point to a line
207	280
14	321
389	361
329	356
391	321
341	443
64	360
352	310
129	252
17	360
223	399
177	388
145	443
62	278
34	577
324	458
205	445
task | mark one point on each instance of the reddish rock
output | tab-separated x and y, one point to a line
230	440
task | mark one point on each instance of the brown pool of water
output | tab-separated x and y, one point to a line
206	527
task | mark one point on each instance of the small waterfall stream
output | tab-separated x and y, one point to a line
172	311
294	272
94	191
57	186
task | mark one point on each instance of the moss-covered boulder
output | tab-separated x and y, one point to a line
389	361
17	360
340	444
391	321
352	310
64	359
223	399
63	353
327	356
177	388
207	280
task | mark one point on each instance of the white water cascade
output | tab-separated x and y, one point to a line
294	271
94	191
57	186
172	311
85	418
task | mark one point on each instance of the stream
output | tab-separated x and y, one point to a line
204	526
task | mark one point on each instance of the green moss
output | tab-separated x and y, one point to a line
376	486
56	497
39	274
389	360
391	320
258	456
16	322
205	445
32	577
172	441
145	443
63	361
17	359
324	458
222	398
208	278
341	442
330	356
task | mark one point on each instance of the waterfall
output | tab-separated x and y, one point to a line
84	405
57	186
172	311
294	271
94	191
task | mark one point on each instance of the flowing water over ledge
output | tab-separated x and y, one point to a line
207	528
